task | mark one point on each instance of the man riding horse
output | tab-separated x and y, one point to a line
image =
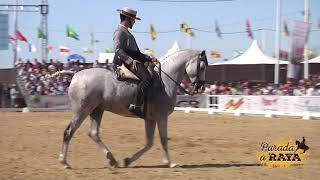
127	52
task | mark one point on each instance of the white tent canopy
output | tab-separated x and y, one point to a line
315	60
103	57
175	47
253	55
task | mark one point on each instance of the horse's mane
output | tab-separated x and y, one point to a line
167	58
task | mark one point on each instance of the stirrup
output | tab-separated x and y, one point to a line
134	106
136	110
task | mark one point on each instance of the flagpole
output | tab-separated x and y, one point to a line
92	41
15	49
44	27
277	43
306	61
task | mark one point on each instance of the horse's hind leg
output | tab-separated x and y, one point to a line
75	123
149	128
96	117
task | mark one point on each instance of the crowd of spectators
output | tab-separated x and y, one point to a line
33	77
301	88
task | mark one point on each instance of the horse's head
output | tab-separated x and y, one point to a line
196	69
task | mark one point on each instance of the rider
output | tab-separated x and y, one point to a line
127	52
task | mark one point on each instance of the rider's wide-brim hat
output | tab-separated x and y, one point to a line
131	13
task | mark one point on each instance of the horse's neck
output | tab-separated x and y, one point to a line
174	66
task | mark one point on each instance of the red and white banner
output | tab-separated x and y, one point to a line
64	50
300	34
299	38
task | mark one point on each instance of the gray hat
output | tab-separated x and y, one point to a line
131	13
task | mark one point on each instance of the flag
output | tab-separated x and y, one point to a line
286	32
185	28
310	52
72	33
41	34
148	52
217	29
109	50
50	49
283	54
32	48
87	50
20	36
11	38
64	50
153	33
215	54
248	29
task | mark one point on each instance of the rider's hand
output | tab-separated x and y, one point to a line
133	65
154	60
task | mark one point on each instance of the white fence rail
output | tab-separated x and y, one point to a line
269	106
306	107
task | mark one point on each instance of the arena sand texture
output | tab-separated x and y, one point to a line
205	146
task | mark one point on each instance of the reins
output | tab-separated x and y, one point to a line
178	84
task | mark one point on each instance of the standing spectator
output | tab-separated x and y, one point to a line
13	96
5	95
1	94
316	91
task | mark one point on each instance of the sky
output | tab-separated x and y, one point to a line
101	18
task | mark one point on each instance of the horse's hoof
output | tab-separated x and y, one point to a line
67	166
172	165
112	161
64	162
126	162
113	164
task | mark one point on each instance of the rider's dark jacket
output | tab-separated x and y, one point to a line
126	48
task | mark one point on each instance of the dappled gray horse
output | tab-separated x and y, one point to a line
93	91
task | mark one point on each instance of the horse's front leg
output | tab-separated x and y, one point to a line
150	126
163	131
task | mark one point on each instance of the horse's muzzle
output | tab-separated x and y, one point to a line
196	86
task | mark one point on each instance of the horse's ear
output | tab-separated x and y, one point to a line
204	57
203	53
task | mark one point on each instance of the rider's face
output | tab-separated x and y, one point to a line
132	21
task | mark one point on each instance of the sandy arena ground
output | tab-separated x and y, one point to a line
205	146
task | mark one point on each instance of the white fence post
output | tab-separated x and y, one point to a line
306	115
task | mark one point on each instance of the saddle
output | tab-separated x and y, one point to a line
122	73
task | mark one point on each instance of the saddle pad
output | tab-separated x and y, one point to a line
125	73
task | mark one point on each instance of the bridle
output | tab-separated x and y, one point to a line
197	84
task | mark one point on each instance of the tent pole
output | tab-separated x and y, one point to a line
306	62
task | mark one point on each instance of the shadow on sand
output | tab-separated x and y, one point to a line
186	166
194	166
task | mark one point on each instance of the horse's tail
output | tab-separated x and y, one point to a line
59	73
